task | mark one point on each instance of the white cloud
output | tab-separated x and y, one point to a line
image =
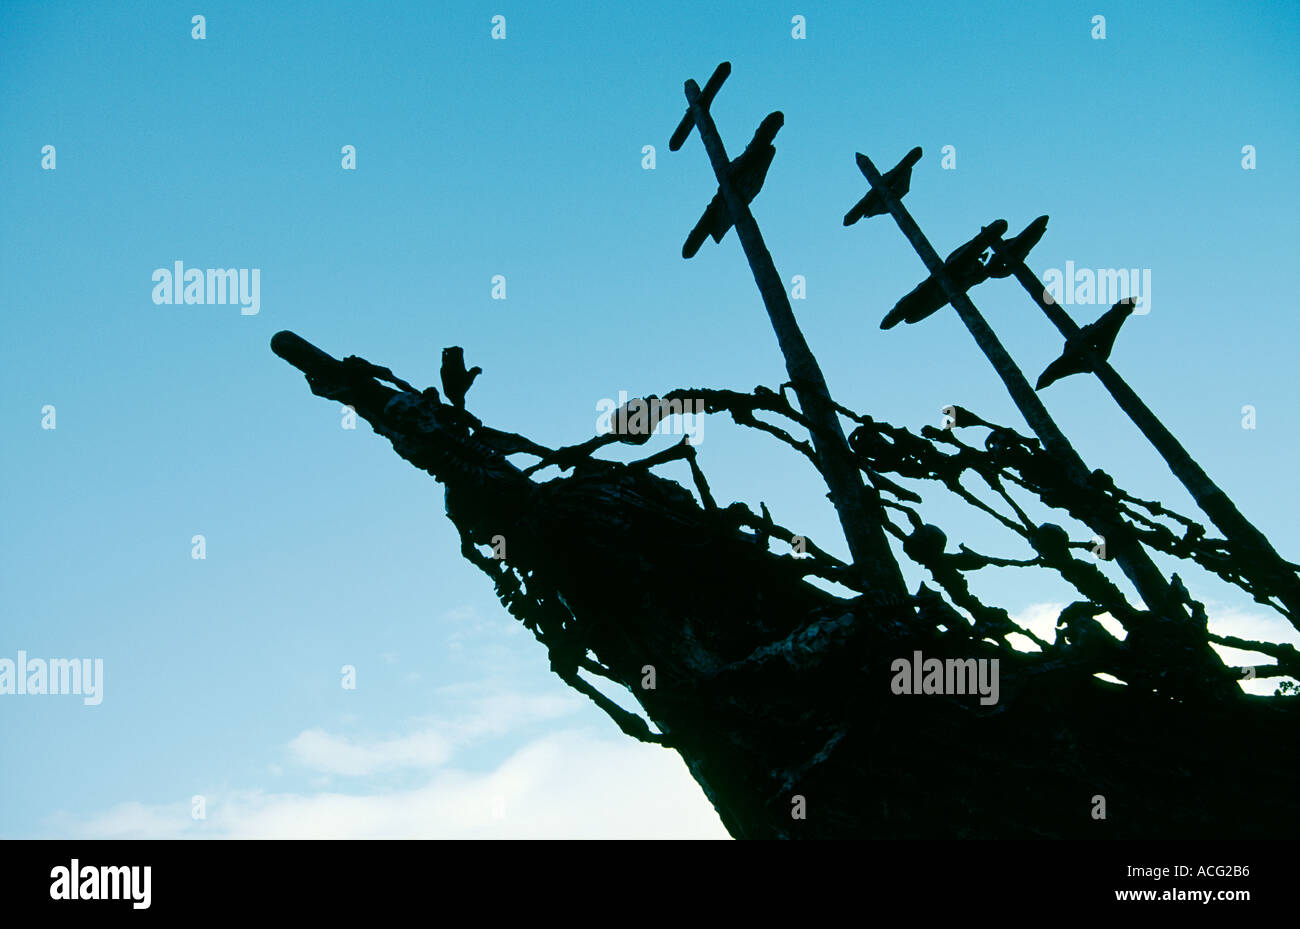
1040	619
1260	625
130	820
339	755
482	713
497	712
568	784
553	782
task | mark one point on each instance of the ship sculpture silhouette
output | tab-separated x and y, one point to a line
793	701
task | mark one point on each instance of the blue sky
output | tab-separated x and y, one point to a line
523	158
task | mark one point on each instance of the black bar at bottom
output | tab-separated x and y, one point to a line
577	880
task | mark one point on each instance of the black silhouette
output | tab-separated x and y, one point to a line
635	421
964	267
711	88
1014	251
456	381
1270	570
747	173
898	179
360	366
771	686
1089	347
961	417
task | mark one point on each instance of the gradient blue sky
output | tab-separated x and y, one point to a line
523	158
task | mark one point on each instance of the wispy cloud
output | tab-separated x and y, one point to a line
339	755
